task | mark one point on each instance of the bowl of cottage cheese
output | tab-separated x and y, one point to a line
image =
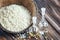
16	16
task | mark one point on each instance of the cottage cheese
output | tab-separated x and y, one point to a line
14	17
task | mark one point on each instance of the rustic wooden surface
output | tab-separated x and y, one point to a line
54	22
53	28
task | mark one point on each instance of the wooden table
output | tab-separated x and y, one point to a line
53	20
53	28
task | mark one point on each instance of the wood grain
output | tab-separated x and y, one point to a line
54	23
